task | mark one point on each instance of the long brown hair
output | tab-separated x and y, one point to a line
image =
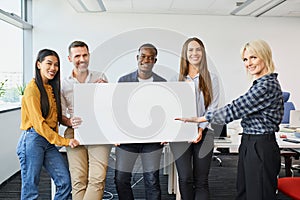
205	84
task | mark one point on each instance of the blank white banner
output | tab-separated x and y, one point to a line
134	112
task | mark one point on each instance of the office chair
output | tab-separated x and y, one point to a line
288	106
290	187
288	153
220	131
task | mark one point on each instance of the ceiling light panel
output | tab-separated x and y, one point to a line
258	7
289	8
118	5
249	6
87	5
267	7
76	5
94	5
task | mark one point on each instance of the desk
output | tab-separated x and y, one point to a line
233	148
236	139
288	154
288	161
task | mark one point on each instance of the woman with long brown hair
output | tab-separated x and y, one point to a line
193	159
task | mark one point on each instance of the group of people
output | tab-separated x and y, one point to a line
47	103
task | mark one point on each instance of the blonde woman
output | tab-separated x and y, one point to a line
261	111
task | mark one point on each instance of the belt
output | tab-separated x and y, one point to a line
270	136
54	129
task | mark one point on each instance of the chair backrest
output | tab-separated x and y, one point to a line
288	106
219	130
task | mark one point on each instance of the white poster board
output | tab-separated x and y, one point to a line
134	112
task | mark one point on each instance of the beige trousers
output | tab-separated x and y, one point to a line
88	167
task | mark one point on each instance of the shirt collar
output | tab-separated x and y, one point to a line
265	77
188	77
86	80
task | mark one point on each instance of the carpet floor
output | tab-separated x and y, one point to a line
221	182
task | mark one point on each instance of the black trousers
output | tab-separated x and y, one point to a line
126	156
258	167
193	164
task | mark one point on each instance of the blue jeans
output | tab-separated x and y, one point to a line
126	155
34	151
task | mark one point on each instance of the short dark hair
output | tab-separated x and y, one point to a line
148	45
77	44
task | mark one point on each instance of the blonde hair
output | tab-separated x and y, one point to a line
262	50
205	84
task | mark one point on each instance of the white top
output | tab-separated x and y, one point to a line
67	98
146	80
200	98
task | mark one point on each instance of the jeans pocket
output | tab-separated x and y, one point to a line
21	148
20	143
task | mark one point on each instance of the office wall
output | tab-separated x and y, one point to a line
113	40
10	133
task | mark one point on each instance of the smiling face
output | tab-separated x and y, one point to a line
80	58
48	68
194	53
146	60
255	66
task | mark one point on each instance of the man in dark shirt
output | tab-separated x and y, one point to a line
126	154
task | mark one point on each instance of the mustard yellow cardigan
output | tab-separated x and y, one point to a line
31	115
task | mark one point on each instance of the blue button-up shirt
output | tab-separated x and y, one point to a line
261	108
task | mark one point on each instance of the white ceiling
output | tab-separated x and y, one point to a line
255	8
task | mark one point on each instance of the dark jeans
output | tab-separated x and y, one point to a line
126	155
193	164
258	167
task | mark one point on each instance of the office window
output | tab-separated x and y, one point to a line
11	6
11	67
11	52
